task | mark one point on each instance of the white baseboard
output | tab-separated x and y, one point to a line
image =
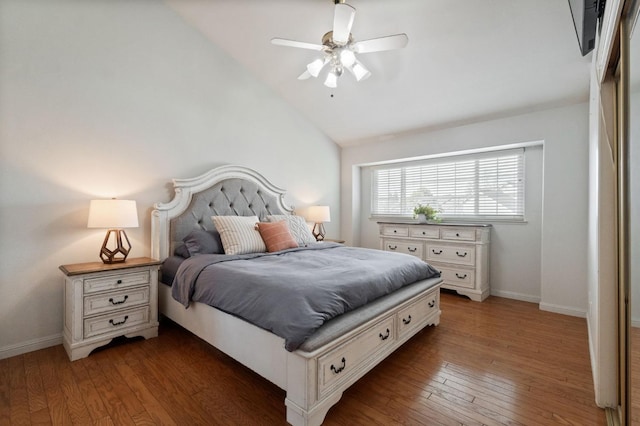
515	296
30	346
635	322
558	309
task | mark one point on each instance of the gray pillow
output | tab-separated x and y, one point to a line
200	241
182	251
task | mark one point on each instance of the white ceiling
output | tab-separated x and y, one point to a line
466	61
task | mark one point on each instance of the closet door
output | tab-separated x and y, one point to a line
630	319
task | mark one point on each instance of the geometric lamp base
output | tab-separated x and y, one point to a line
120	250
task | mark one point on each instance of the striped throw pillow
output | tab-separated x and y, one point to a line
297	226
239	234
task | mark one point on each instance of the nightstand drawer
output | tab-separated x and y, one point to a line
107	302
115	321
116	281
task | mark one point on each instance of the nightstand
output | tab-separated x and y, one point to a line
332	240
103	301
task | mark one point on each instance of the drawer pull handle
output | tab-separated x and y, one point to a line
339	369
462	255
432	303
395	230
407	320
457	234
412	250
119	282
126	317
385	336
392	248
462	277
119	302
436	252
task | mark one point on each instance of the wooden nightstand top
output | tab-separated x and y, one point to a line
90	267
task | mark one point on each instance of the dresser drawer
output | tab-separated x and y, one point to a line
414	248
115	320
116	281
106	302
462	255
458	277
415	314
399	231
424	232
340	364
458	234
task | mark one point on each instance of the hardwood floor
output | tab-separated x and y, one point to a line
496	362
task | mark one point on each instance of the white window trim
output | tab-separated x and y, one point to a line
451	157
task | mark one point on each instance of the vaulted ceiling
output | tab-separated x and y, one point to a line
466	61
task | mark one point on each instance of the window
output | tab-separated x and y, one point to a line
489	185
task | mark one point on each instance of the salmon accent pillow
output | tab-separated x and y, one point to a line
276	236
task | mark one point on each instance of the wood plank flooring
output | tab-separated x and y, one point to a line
491	363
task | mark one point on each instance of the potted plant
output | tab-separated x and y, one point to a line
425	213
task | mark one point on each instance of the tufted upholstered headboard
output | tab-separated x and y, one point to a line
223	191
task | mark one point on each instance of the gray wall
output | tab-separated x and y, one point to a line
113	99
543	260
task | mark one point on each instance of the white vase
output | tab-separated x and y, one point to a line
422	218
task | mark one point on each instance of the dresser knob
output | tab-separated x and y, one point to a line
119	282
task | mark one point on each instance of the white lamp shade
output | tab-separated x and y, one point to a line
112	214
319	214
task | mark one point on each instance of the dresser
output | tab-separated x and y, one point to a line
103	301
459	251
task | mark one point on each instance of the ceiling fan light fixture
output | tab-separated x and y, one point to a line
347	57
360	72
331	80
315	67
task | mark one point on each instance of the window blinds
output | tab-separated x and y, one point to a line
479	186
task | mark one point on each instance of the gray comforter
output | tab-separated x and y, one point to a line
293	292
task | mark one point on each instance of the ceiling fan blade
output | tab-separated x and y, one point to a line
342	23
397	41
305	75
293	43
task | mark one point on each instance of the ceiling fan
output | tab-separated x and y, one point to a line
340	50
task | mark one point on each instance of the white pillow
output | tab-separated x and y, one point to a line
239	234
297	226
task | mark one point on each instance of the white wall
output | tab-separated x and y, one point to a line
113	99
543	260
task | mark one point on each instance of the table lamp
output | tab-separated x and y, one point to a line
114	215
318	215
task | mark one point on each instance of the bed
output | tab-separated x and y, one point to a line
316	373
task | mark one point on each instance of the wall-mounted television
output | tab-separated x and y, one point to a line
585	15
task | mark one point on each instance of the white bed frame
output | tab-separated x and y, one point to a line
314	381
